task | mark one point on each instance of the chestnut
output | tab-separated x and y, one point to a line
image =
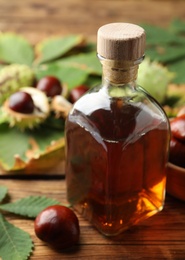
50	85
77	92
58	226
21	102
177	152
177	125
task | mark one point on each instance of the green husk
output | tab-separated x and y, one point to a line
154	78
13	77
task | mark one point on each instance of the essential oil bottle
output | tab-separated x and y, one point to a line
117	139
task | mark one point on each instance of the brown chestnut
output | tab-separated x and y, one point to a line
77	92
58	226
178	127
177	152
50	85
21	102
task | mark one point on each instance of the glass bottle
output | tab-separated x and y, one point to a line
117	139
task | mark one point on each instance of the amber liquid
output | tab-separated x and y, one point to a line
115	167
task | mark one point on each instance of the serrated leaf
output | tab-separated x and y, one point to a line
15	49
20	143
73	70
167	46
84	61
3	192
15	243
71	76
165	54
29	206
156	36
56	47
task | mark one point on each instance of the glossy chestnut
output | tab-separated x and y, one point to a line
50	85
177	152
21	102
58	226
77	92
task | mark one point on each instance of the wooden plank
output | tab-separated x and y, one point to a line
160	237
40	19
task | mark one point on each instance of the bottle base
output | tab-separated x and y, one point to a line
114	219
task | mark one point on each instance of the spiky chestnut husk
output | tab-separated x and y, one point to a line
23	121
61	106
13	77
65	90
154	78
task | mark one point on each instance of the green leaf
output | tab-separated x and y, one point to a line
85	61
178	68
166	45
15	243
165	54
73	70
89	47
53	48
56	123
177	26
15	49
29	206
17	145
20	142
156	36
93	81
71	76
3	192
44	136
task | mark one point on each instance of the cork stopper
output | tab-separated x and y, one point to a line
121	41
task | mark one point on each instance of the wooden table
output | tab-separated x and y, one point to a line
163	235
37	19
160	237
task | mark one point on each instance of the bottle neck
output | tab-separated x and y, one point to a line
119	72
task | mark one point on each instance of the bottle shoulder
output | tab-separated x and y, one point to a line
116	118
109	99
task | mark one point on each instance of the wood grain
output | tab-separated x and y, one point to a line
121	41
160	237
37	19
